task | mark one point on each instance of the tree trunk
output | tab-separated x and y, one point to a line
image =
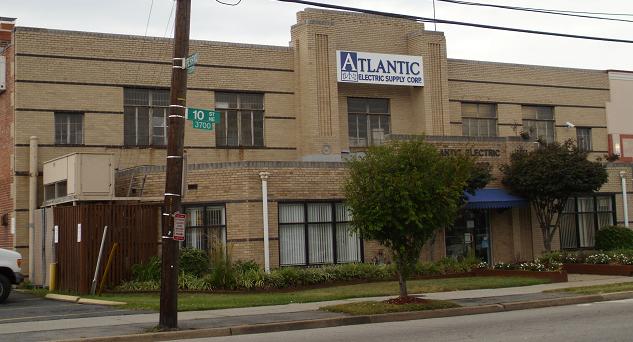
547	241
403	284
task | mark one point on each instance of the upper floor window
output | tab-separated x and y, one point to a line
241	119
583	138
69	128
479	119
145	115
538	121
368	121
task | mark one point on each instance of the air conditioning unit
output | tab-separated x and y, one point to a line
3	73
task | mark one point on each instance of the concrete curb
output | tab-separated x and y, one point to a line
99	302
355	320
63	298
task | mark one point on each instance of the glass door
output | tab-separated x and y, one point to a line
469	235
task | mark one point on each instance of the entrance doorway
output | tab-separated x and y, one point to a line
470	235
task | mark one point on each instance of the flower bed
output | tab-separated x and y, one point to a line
602	269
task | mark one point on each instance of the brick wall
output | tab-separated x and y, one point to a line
6	146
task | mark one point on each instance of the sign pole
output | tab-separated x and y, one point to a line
168	318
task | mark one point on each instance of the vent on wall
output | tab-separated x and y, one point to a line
3	74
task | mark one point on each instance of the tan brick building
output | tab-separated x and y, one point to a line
294	113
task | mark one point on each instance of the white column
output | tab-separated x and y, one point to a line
624	198
264	177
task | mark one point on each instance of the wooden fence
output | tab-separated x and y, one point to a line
136	228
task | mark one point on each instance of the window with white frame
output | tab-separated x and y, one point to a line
145	116
538	121
69	128
479	119
206	227
368	121
241	119
583	138
317	233
582	217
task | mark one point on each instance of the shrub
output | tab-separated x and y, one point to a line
194	261
599	258
614	237
222	273
149	271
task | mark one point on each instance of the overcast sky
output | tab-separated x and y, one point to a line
269	21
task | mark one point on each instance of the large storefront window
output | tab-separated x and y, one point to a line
206	227
368	121
241	120
479	119
582	217
145	114
316	233
538	121
469	235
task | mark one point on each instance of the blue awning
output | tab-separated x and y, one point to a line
493	199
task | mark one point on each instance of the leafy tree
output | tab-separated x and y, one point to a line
548	176
402	192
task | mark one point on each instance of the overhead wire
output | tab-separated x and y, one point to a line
228	3
535	10
454	22
171	13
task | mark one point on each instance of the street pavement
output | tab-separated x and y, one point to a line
29	318
600	321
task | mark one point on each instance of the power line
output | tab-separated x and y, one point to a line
171	13
453	22
537	10
149	16
229	4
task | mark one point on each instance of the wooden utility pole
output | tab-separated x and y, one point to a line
173	184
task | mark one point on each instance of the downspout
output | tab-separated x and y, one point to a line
624	198
33	173
264	177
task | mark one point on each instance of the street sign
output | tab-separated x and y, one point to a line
190	63
203	118
179	226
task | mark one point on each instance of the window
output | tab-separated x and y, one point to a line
583	138
582	217
55	190
316	233
538	121
206	227
241	119
145	115
69	128
368	121
479	119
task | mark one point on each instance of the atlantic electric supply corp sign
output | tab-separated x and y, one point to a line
377	68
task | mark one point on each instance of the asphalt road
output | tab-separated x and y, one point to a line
22	307
602	321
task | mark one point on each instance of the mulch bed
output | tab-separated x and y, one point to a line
602	269
406	300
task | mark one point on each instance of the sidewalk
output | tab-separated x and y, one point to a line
486	299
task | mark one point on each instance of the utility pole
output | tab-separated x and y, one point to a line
173	178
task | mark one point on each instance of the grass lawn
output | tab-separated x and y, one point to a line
373	308
210	301
598	289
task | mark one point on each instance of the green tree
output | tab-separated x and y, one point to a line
548	176
401	193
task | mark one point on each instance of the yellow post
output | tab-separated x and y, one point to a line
52	279
107	268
